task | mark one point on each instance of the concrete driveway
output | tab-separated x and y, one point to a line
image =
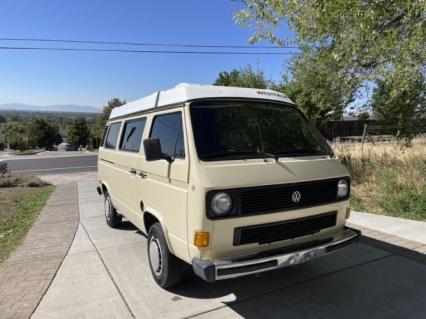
106	275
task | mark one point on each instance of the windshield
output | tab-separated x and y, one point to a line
239	130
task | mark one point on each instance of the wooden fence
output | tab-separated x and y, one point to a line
355	128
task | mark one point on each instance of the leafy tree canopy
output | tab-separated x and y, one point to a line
42	134
104	116
316	97
404	109
246	77
364	37
13	133
78	133
316	88
343	45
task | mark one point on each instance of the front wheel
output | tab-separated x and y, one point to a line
113	219
166	268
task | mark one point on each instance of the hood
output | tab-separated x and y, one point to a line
257	172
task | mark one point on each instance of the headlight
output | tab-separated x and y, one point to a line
342	188
221	204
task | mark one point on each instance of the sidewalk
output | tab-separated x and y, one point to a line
83	287
405	228
27	273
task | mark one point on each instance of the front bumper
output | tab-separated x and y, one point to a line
274	259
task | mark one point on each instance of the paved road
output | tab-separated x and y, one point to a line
53	164
106	275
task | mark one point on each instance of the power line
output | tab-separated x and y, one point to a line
145	51
232	46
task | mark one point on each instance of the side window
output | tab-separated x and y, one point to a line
168	128
111	140
132	135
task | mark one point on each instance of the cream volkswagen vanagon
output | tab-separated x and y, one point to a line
233	181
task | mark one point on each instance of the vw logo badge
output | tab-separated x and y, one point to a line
296	196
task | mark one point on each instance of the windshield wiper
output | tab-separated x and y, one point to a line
302	152
274	156
239	152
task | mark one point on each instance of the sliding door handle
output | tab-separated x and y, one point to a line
143	175
132	171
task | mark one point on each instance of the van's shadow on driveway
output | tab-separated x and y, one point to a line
126	225
371	280
343	285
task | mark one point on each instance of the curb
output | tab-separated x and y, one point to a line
393	244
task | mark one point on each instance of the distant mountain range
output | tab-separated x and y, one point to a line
68	108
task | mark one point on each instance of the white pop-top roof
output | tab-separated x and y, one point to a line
187	92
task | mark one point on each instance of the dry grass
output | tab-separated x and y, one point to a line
14	180
67	178
388	177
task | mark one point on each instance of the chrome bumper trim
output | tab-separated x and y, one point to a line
225	269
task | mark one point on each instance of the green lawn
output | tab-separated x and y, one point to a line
19	208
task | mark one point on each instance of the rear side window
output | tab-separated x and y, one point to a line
168	128
132	135
111	140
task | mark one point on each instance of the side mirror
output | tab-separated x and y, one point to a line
152	148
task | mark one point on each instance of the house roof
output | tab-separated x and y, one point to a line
188	92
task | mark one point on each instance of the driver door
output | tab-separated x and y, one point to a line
165	187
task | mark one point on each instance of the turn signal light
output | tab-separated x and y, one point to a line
201	239
348	212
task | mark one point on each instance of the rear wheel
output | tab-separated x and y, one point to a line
113	219
166	268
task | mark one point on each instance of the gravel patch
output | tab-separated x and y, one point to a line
69	178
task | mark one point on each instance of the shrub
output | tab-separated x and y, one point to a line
34	181
8	180
11	180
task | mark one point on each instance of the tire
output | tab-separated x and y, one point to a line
167	270
113	219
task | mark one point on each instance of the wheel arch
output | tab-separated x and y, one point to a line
105	187
150	217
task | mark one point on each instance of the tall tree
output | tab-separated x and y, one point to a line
101	120
13	134
317	87
42	134
78	132
345	43
403	110
318	98
245	77
365	36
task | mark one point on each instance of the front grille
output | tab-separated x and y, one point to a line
279	197
268	233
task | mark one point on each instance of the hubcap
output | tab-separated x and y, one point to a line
155	255
107	209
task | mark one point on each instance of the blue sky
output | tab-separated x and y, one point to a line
91	78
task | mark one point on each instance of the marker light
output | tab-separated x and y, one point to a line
201	239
